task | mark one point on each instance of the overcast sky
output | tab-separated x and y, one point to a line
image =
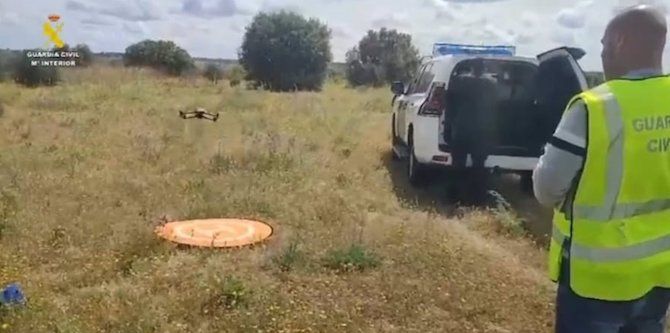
214	28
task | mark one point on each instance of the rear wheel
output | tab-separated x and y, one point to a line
416	172
526	182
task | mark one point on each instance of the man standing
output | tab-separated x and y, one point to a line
606	170
473	129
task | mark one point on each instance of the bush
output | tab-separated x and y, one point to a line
162	55
33	76
8	62
236	75
283	51
86	56
213	73
382	57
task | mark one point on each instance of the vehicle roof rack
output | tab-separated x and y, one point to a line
442	49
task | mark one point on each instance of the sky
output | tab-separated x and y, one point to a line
215	28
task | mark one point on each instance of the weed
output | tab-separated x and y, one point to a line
268	162
229	293
59	237
8	209
220	163
509	222
355	258
150	149
22	128
290	257
342	179
67	122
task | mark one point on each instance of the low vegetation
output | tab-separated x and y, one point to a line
91	166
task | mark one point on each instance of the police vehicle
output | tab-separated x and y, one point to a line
532	94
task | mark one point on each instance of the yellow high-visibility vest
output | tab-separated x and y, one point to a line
616	222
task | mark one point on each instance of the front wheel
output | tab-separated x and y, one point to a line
394	139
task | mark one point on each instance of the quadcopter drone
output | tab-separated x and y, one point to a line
199	113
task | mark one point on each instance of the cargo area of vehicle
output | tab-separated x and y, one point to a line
519	130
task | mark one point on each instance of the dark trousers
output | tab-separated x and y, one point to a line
576	314
470	184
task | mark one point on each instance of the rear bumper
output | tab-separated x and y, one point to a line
499	162
429	150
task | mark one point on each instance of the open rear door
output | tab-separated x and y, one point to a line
559	79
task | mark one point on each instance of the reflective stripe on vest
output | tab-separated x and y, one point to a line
603	255
618	221
610	209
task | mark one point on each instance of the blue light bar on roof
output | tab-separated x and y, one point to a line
441	49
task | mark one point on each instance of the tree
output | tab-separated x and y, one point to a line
283	51
32	76
382	57
213	73
162	55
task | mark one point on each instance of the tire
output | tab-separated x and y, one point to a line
416	172
394	139
526	183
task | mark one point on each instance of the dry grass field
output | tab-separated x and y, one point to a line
89	168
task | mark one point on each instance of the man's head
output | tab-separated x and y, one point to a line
634	39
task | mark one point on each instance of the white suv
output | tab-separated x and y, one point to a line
532	95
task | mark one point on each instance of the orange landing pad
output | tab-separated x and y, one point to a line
216	232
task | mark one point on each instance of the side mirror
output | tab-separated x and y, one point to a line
398	88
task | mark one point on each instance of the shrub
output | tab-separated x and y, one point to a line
33	76
7	60
283	51
235	75
162	55
213	73
86	56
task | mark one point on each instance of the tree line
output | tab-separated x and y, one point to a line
281	51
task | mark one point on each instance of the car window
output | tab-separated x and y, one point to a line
424	81
415	80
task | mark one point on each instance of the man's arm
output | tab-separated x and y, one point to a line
563	157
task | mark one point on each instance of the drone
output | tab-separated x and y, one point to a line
199	113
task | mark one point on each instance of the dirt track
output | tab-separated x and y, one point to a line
434	197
